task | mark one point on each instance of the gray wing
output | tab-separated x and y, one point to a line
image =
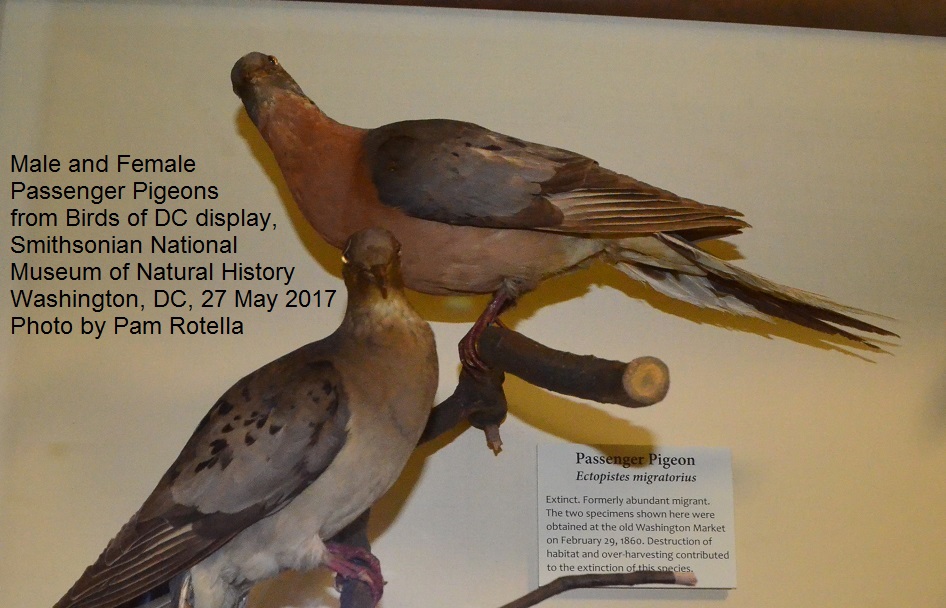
460	173
261	444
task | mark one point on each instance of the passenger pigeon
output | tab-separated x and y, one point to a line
481	212
289	456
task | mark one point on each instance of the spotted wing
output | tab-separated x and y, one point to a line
272	434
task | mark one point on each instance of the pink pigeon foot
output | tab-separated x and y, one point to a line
356	563
469	356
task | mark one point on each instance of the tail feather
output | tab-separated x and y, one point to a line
689	288
695	276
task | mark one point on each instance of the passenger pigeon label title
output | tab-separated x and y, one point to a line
127	245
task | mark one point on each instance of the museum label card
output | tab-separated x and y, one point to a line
609	509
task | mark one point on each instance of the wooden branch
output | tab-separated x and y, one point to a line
642	382
355	593
480	399
620	579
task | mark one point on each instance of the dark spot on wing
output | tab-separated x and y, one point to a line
492	148
249	439
327	387
333	404
226	428
205	464
221	408
275	428
217	445
257	418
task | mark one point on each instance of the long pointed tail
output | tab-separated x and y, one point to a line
678	269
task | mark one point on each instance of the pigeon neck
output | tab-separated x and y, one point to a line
317	156
378	318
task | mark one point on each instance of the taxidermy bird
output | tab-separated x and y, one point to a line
481	212
286	458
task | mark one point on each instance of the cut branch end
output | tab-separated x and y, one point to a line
646	380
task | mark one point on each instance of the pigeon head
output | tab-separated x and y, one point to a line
372	259
257	78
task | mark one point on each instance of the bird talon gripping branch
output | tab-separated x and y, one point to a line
469	354
355	563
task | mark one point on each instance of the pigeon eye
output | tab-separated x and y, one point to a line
272	60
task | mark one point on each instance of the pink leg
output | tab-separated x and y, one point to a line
467	347
354	562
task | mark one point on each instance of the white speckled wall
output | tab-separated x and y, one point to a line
831	143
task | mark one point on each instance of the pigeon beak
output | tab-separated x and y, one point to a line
380	276
256	78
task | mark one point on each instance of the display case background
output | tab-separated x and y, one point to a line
832	143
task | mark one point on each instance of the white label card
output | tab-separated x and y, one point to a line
625	508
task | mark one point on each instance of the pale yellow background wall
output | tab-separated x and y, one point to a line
832	143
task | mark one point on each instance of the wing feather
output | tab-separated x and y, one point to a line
460	173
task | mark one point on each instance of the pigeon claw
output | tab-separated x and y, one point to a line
355	563
469	354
